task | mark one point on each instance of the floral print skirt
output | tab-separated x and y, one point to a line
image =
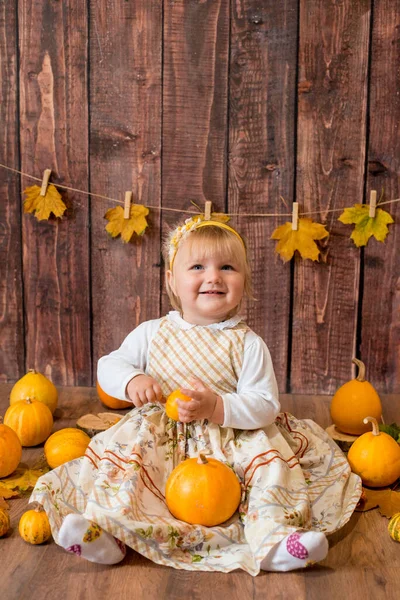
293	477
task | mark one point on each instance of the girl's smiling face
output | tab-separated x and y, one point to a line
210	287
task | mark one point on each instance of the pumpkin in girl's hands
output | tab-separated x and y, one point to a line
35	385
375	457
10	450
111	402
65	445
202	491
354	401
4	522
171	407
31	420
34	526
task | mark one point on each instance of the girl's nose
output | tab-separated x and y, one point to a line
214	275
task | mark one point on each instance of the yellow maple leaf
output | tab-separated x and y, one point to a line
6	493
3	504
301	240
126	227
386	500
221	217
42	206
24	477
366	226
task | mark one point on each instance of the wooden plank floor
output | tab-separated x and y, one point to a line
363	562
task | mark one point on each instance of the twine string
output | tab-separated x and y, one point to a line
191	212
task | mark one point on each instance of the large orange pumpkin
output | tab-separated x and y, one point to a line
203	491
35	385
31	420
111	402
10	450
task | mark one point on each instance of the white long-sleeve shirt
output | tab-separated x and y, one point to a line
255	403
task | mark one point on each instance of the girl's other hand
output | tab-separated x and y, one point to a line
202	405
143	389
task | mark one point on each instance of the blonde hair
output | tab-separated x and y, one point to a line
212	240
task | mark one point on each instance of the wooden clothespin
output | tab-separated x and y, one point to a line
295	216
372	203
127	205
207	210
45	182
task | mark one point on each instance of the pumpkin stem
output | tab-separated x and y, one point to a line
361	369
375	426
28	400
202	459
32	371
38	507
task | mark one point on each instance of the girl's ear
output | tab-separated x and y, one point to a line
170	280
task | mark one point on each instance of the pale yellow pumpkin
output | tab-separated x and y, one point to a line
4	522
65	445
31	420
203	491
394	527
35	385
34	526
10	450
375	457
354	401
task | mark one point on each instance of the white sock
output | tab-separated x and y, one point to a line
87	539
296	551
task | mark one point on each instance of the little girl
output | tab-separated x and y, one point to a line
296	484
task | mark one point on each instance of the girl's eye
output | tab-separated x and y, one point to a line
227	268
197	267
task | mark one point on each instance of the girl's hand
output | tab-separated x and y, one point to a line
143	389
203	403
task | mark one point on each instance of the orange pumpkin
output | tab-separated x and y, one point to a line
34	526
35	385
31	420
111	402
171	407
10	450
354	401
202	491
65	445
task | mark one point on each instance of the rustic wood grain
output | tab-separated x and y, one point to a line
262	95
196	38
125	146
333	60
12	359
380	334
53	134
362	559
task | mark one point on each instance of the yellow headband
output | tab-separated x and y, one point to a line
189	226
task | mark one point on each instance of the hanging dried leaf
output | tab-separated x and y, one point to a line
24	477
221	217
43	206
126	227
366	226
386	500
301	240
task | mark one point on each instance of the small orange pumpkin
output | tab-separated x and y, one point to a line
65	445
171	407
202	491
34	526
111	402
10	450
4	522
35	385
375	457
354	401
31	420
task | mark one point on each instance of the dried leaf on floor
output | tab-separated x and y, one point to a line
386	500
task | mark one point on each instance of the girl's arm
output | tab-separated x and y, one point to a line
256	401
115	370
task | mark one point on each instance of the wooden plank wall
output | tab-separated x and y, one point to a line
250	104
